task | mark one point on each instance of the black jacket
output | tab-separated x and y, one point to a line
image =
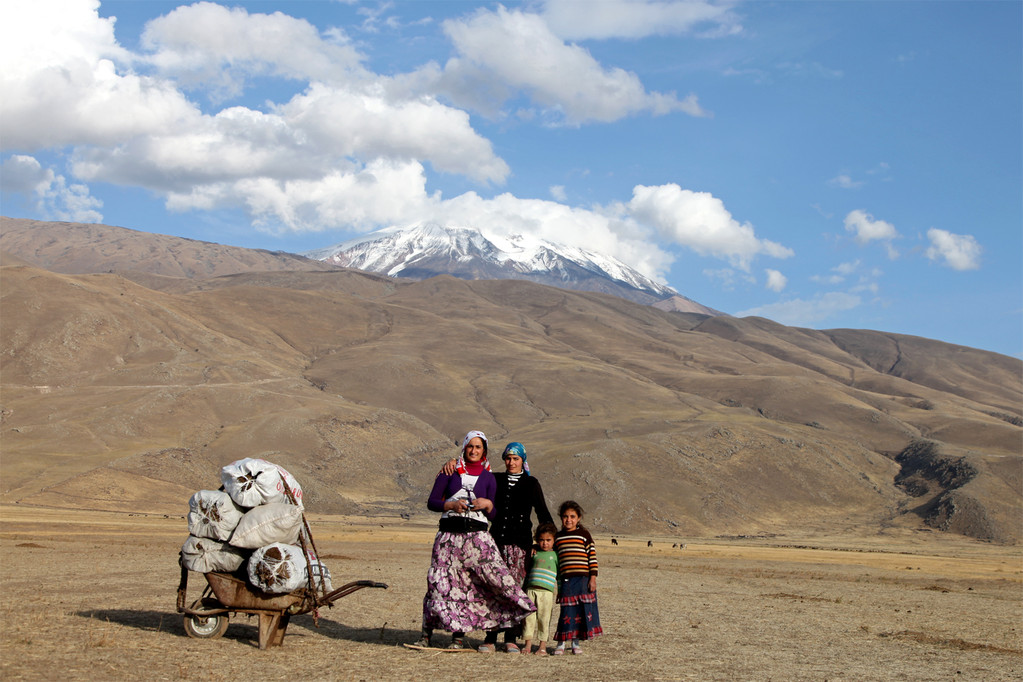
512	523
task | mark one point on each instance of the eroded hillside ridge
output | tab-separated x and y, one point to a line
120	391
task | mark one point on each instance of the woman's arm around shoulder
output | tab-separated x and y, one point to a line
543	515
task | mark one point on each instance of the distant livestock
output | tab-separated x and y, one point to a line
614	541
649	543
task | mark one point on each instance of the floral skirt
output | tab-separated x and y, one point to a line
516	560
468	586
579	618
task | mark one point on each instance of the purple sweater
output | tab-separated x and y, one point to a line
445	486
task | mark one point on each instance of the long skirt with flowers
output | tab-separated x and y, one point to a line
579	618
517	561
468	586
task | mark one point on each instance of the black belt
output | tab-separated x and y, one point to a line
461	524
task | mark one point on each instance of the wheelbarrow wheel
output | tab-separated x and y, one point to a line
206	627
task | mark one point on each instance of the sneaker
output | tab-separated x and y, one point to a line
486	648
423	642
512	648
576	649
457	644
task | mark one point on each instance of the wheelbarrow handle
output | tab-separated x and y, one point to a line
347	589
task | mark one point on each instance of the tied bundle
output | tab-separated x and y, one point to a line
255	520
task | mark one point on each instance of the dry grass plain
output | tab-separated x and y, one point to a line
91	596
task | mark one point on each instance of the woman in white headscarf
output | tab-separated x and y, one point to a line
468	586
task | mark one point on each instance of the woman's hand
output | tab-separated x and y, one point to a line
482	504
593	583
457	506
449	467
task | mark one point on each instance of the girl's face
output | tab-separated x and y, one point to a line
513	463
546	542
474	450
570	519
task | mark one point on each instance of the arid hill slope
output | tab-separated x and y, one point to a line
83	248
129	391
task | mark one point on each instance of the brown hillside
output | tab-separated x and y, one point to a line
131	393
82	248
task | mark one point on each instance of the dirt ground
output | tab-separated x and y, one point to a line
91	596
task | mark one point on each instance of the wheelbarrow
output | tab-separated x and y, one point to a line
227	593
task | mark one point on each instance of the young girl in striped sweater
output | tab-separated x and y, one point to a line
577	581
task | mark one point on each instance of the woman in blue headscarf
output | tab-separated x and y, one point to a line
518	495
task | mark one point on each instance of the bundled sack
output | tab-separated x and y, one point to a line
321	576
278	522
278	568
204	555
252	482
213	514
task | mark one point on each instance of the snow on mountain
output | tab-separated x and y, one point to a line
426	250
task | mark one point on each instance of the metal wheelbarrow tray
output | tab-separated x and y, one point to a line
227	593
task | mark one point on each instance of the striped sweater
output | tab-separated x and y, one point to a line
577	555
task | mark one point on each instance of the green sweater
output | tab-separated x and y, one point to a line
544	573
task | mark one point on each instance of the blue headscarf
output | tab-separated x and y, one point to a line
519	450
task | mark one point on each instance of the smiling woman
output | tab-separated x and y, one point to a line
468	585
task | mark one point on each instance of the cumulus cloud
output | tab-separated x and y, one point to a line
806	313
63	88
584	19
957	251
776	281
60	81
506	52
700	221
211	45
49	194
867	229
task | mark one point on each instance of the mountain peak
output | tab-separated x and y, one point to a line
428	249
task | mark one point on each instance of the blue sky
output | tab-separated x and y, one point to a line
822	164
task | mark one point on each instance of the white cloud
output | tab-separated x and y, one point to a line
867	230
49	193
61	85
585	19
803	313
506	52
847	268
558	193
700	221
958	251
208	44
62	89
381	193
840	273
775	280
845	182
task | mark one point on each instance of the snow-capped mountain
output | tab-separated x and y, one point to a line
426	250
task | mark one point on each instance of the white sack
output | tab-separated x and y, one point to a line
277	568
213	514
267	524
252	482
204	555
320	575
